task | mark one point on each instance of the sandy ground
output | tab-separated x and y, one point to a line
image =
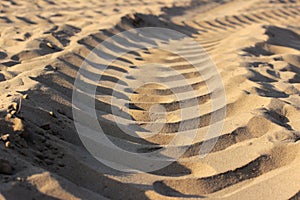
255	45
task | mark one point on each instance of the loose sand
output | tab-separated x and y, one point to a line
255	45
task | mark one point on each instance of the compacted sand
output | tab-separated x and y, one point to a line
255	45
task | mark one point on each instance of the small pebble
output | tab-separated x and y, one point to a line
13	112
7	144
25	96
52	114
15	106
50	45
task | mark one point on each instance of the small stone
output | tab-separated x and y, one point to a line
52	114
13	112
13	106
50	45
49	67
25	96
4	137
7	144
27	35
5	167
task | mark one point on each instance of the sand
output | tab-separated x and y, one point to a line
255	46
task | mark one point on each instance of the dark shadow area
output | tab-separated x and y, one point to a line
162	188
282	37
277	118
258	50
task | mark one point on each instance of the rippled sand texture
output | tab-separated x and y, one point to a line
255	46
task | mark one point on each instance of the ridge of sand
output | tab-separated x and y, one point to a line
255	45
